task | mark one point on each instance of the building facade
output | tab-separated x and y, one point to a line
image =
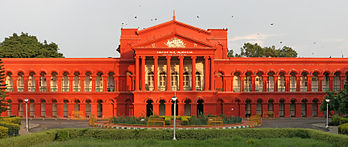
170	59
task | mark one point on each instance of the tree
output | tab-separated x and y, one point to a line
255	50
338	101
27	46
3	102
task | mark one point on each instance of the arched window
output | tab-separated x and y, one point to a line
76	83
31	82
54	108
236	82
149	108
9	82
174	80
303	82
99	82
43	108
199	81
65	108
162	81
281	108
247	108
99	108
187	109
43	82
258	82
65	83
54	82
315	82
326	82
304	108
162	108
111	82
315	108
270	82
88	108
281	82
32	108
292	82
337	81
247	82
292	108
150	81
259	107
187	83
88	82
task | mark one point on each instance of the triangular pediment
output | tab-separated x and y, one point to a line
172	23
173	41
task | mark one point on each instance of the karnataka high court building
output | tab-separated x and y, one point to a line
172	58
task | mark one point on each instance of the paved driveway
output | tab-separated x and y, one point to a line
276	123
53	124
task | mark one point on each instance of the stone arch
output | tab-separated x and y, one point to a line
200	107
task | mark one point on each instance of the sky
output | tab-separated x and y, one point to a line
91	28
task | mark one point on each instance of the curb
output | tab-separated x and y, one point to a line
193	128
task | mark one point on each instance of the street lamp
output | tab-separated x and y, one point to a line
327	112
174	98
26	115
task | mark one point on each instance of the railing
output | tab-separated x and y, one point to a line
198	88
219	89
292	89
187	88
20	89
111	89
247	90
303	89
9	89
99	89
236	89
76	89
30	89
336	88
259	89
54	89
65	89
281	89
43	89
270	89
326	89
314	89
162	88
88	89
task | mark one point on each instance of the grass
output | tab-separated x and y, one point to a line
234	141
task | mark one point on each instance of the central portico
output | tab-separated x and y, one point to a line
172	58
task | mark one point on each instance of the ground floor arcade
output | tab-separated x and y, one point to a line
150	103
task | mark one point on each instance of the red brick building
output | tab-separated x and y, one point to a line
156	63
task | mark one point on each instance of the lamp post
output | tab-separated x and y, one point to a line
174	100
26	115
327	112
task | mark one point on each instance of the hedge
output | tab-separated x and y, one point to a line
15	120
343	129
13	129
3	132
115	134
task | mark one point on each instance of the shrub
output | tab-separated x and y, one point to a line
198	120
3	132
30	139
129	120
15	120
343	129
13	129
338	120
231	120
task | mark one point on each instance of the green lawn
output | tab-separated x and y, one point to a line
234	141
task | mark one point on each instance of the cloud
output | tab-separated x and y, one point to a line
252	38
257	36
